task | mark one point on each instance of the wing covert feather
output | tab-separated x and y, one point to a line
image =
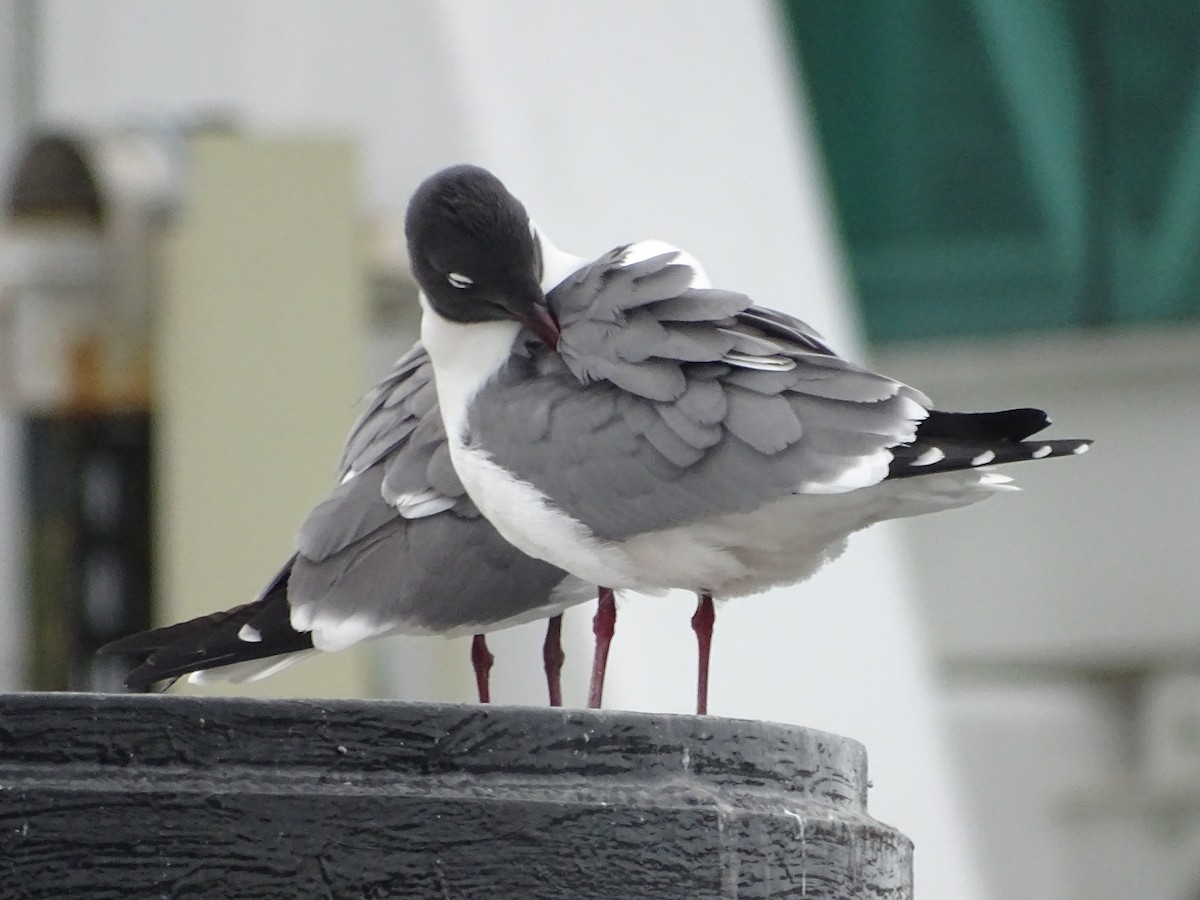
666	404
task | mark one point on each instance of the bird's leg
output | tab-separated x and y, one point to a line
603	627
553	656
482	659
702	624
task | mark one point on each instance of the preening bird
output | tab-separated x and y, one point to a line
396	548
626	422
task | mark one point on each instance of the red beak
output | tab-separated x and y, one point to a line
542	323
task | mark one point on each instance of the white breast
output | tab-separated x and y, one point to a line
465	357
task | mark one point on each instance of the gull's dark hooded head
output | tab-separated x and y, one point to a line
473	253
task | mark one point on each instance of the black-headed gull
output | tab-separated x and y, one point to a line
621	419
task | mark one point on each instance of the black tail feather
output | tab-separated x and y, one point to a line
985	427
215	640
947	442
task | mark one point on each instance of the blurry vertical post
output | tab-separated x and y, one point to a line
81	221
87	476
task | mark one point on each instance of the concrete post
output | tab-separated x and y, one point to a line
139	796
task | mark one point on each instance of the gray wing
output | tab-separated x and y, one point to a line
392	411
442	574
395	463
398	545
667	404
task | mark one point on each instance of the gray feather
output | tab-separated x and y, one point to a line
767	424
855	387
391	412
352	511
655	414
444	574
701	306
374	440
655	379
823	413
440	472
667	442
789	328
752	344
661	283
688	430
694	343
703	402
647	271
759	381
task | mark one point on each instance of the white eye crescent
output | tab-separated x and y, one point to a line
459	281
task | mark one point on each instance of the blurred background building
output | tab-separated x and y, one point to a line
997	200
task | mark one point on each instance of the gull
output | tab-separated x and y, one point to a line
396	548
623	420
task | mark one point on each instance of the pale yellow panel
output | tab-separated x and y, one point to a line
258	373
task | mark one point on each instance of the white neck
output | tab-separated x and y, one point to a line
653	247
464	358
556	265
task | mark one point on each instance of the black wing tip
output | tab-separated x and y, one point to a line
146	679
984	427
931	457
172	661
1031	419
144	646
142	642
214	640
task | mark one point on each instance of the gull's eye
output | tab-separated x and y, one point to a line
459	281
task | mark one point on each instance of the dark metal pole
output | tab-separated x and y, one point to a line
87	484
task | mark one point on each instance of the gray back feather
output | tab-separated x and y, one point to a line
667	404
392	411
442	573
358	557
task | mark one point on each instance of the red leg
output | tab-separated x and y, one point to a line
603	627
702	624
482	659
552	657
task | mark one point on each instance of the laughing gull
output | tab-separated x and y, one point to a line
396	548
625	421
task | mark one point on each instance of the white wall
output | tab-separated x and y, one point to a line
1067	615
613	121
1106	542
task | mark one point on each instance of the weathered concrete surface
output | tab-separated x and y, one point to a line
107	796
